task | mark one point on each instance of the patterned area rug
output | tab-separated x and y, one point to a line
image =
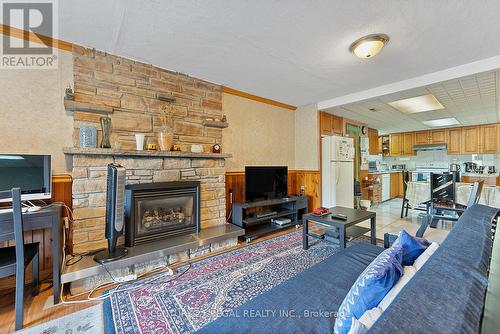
87	321
210	287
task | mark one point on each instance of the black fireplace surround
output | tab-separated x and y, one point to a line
161	210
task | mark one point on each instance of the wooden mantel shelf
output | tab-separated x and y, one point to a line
145	153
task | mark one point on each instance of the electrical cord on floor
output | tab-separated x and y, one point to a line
119	287
114	281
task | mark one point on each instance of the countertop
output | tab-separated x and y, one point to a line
479	174
461	174
384	172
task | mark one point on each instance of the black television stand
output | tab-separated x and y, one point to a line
246	215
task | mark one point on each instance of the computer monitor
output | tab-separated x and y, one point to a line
31	173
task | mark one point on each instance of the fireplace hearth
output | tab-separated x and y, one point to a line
161	210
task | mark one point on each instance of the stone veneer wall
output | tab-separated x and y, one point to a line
89	190
132	89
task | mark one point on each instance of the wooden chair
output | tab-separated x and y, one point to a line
406	203
15	259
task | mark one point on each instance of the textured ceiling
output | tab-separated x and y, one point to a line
471	100
292	51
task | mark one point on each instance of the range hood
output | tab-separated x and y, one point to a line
430	147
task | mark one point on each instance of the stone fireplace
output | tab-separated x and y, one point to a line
144	170
137	97
160	210
136	92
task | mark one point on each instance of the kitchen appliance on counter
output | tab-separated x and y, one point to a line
337	172
398	167
486	170
454	167
373	166
471	167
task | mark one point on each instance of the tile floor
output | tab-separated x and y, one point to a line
389	221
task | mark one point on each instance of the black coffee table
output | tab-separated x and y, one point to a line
353	217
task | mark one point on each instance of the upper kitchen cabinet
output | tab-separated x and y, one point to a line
337	125
331	125
395	144
374	143
325	121
422	137
438	136
407	145
488	138
454	141
401	144
430	137
470	139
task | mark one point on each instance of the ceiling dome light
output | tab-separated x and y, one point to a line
369	46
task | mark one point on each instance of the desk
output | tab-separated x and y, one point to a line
353	217
49	217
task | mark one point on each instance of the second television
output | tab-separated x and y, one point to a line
265	182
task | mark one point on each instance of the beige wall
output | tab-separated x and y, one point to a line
258	133
307	138
32	115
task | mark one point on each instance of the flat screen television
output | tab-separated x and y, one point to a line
31	173
266	182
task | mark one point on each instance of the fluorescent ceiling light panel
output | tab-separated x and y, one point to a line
417	104
441	122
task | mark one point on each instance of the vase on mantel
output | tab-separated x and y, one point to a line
165	138
106	132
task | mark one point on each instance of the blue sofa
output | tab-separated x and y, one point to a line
445	296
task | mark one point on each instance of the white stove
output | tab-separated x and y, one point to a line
423	172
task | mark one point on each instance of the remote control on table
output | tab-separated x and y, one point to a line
339	216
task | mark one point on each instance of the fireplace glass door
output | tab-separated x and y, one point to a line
164	214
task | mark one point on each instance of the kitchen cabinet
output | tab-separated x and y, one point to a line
438	136
465	140
454	141
470	140
374	142
430	137
396	184
488	138
401	144
395	143
331	125
407	146
338	125
325	121
421	137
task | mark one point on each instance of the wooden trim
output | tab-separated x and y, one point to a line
25	35
290	171
231	91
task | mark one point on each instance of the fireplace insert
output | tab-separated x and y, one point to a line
160	210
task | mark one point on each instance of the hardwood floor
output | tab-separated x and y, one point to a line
35	311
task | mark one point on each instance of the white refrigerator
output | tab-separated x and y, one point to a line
337	174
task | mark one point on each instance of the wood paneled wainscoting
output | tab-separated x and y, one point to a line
309	180
61	192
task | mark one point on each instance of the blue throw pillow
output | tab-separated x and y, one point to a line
411	247
370	288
